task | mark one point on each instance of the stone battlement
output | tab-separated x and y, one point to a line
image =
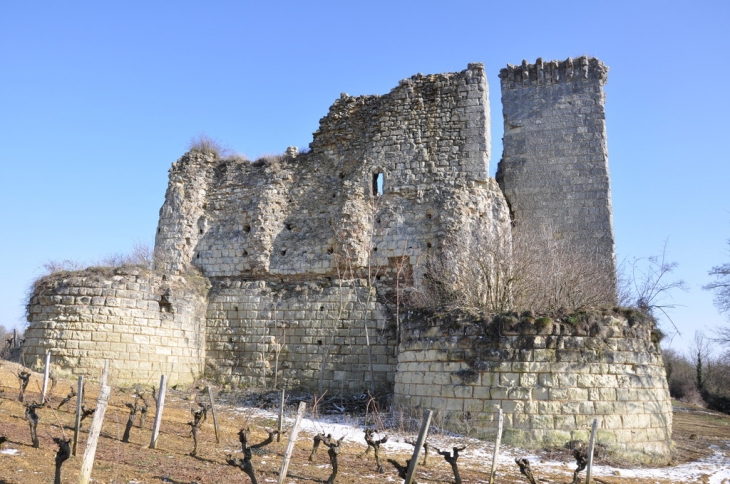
553	72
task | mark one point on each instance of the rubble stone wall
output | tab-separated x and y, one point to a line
551	378
319	213
144	323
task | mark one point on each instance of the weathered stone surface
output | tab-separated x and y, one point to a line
562	399
554	169
301	255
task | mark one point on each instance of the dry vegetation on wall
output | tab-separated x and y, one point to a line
494	272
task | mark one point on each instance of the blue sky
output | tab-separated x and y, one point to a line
97	99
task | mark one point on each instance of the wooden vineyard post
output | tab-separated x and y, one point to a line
104	373
493	472
90	451
590	450
79	401
46	370
281	415
215	420
419	445
158	413
292	442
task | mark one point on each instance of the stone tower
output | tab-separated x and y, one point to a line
554	169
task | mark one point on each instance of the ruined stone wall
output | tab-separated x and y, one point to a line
551	377
145	323
319	329
316	213
554	168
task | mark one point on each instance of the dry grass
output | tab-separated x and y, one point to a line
124	463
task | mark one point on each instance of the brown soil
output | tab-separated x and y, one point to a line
695	431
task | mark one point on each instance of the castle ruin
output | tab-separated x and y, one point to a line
295	269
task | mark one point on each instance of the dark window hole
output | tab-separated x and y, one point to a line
331	250
200	231
378	183
165	305
283	252
288	226
319	342
247	228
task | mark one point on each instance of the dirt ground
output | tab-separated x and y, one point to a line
698	434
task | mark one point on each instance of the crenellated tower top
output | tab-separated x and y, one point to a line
553	72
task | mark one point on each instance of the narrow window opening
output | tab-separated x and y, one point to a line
283	252
198	256
230	340
321	308
375	249
200	231
334	195
187	240
319	342
247	228
288	226
378	181
245	253
428	215
159	230
428	245
330	250
165	305
342	174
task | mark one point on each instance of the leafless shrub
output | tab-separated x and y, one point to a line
486	269
721	287
208	146
272	162
141	255
646	283
66	265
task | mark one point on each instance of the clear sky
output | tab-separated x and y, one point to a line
97	99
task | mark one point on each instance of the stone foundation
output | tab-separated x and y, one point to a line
551	378
145	323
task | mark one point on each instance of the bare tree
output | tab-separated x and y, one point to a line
647	284
721	287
